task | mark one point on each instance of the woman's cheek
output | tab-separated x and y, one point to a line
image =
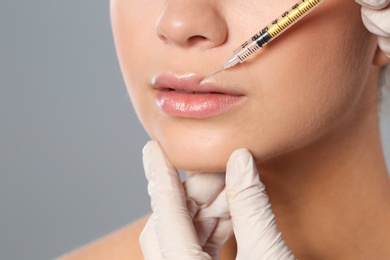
300	89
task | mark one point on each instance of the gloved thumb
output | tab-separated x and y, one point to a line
254	224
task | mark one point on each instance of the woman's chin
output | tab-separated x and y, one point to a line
197	159
199	162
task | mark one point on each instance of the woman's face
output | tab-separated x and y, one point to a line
299	89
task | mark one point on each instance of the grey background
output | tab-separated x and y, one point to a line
70	143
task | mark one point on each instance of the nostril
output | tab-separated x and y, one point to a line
163	38
198	36
196	39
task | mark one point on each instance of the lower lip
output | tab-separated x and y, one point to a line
195	105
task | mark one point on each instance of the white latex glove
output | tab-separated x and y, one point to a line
376	18
173	232
189	221
254	225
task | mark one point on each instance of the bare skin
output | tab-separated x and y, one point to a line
123	245
329	187
348	178
353	220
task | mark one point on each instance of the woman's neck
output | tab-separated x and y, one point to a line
332	199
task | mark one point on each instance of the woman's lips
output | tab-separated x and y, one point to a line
186	97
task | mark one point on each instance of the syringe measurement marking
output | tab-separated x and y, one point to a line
247	55
289	21
268	33
301	9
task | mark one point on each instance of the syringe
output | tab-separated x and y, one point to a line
269	33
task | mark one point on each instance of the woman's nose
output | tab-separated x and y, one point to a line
191	23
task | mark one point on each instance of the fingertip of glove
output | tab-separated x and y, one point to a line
150	153
149	146
240	155
373	4
155	160
239	166
238	160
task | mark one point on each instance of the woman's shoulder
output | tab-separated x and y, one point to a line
123	244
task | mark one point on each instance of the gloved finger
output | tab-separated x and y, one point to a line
195	186
384	45
377	21
212	222
173	224
223	229
254	224
220	235
204	228
149	241
217	209
373	4
202	189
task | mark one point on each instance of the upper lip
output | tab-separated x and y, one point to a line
188	83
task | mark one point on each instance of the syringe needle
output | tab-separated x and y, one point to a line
269	33
212	74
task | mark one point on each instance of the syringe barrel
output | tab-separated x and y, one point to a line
273	30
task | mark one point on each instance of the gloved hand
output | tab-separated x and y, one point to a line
254	225
376	18
171	232
189	221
